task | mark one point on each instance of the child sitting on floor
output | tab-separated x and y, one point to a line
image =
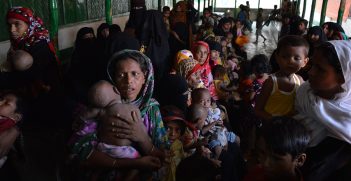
214	126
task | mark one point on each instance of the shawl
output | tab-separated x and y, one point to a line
329	117
36	31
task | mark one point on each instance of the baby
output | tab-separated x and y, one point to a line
106	106
19	60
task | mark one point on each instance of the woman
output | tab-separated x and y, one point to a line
132	73
41	83
201	52
82	71
324	107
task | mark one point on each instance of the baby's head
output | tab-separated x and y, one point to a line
21	60
197	115
292	54
201	96
102	94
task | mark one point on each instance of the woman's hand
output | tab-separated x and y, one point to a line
133	130
149	162
7	138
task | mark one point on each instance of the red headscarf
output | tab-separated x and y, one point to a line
36	30
206	74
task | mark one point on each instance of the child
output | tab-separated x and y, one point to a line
279	90
261	69
214	126
175	125
259	25
106	106
219	73
11	112
216	50
323	105
281	149
166	12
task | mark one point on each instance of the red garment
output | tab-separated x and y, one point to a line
206	75
35	33
6	123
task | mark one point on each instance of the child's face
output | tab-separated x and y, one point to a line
276	166
201	54
194	79
205	99
226	27
314	37
166	14
224	43
173	131
8	106
214	54
322	76
302	27
291	59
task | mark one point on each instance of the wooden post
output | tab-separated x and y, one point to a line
304	8
209	3
174	3
324	9
159	5
297	8
341	11
204	5
313	7
108	12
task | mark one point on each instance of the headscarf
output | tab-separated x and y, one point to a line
187	67
36	30
100	29
332	116
178	16
147	105
80	41
183	55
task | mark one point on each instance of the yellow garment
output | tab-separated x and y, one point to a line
222	95
281	103
177	150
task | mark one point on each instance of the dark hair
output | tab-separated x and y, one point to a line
328	51
260	64
122	56
305	22
196	168
284	135
166	8
194	113
179	122
196	93
292	41
173	114
218	70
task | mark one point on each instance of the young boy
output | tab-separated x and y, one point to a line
278	92
11	112
281	151
216	49
213	127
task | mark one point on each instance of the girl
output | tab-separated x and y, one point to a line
202	55
278	91
323	105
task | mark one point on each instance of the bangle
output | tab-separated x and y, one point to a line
114	164
152	149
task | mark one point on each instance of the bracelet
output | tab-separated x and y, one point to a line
114	164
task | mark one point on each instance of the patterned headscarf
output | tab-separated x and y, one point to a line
148	106
36	30
145	94
187	67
